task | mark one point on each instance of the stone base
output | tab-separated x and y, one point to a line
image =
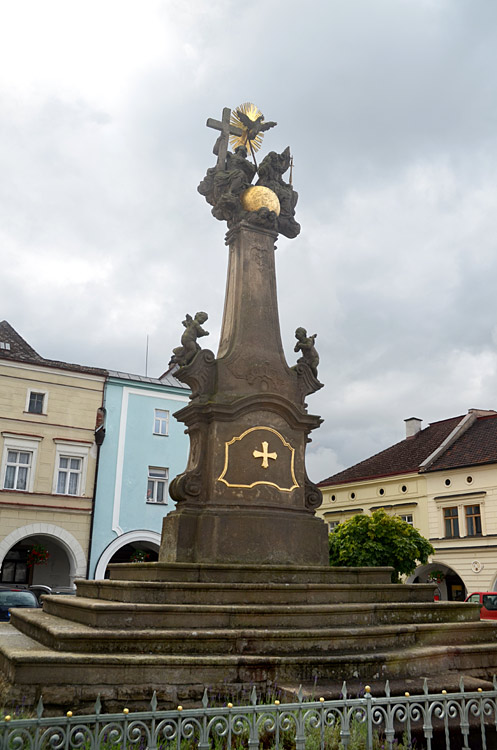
217	535
177	627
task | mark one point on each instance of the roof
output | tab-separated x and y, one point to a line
18	350
401	458
452	443
167	379
476	446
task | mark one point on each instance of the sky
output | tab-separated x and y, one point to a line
390	110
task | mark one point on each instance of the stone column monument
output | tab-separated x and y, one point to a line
245	495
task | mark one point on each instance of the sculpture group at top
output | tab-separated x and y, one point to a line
228	185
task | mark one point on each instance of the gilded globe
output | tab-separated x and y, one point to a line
257	197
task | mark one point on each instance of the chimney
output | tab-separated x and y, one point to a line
413	426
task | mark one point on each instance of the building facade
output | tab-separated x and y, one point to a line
48	458
443	480
144	447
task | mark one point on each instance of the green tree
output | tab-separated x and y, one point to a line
379	539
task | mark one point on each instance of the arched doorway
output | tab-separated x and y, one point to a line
450	586
130	547
60	556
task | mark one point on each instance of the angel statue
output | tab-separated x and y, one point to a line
184	354
305	344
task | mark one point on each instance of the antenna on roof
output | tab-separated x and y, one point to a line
146	359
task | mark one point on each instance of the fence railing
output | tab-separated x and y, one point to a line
431	721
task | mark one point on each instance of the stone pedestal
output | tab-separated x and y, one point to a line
245	495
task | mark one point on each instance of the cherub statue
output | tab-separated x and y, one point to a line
305	344
183	355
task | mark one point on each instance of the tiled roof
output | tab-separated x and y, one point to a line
478	445
402	458
18	350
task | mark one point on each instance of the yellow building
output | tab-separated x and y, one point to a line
48	459
443	480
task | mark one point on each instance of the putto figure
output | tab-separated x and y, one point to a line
183	355
305	344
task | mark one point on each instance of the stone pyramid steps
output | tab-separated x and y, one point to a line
232	573
127	615
184	626
65	635
156	592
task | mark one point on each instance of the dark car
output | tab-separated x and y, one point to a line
11	596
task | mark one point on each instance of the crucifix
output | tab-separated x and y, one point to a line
221	145
264	454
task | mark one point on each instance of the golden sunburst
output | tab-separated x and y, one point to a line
252	112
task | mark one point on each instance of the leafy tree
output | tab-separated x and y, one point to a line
379	539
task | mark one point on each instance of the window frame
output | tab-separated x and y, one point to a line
23	444
452	517
468	517
70	449
156	480
41	392
405	516
161	420
69	471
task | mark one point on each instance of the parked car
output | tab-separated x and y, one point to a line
40	589
488	603
11	596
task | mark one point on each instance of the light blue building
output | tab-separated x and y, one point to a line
143	449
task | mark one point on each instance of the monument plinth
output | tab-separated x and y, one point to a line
245	496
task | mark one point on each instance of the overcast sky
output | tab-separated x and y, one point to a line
390	109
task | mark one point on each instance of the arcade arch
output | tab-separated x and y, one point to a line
66	562
450	585
122	547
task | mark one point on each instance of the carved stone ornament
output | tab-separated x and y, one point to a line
200	374
260	455
262	374
186	486
313	495
307	383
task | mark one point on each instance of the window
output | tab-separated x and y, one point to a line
332	525
19	461
407	518
161	422
157	484
71	461
17	470
69	475
451	522
36	402
473	520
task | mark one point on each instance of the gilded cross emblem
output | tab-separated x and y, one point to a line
264	454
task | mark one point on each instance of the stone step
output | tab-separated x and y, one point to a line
167	592
231	573
69	678
65	635
123	615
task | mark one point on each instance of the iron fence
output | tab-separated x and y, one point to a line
466	719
